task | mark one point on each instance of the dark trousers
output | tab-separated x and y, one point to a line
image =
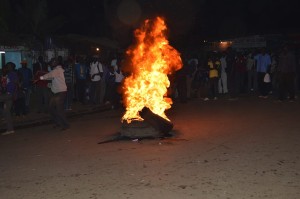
203	88
286	85
6	100
56	109
20	106
95	91
233	83
213	84
116	95
80	88
241	82
69	97
27	98
182	88
262	88
110	86
43	94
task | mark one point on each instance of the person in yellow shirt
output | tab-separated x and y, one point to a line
214	66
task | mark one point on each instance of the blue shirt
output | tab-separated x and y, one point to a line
26	77
262	62
12	79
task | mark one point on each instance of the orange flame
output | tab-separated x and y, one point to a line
150	63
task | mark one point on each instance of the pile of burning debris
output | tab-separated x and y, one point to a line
148	63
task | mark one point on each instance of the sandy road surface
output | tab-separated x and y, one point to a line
248	148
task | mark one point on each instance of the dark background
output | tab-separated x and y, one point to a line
209	18
187	20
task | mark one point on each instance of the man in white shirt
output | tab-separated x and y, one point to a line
96	73
59	90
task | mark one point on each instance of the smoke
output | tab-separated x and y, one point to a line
129	12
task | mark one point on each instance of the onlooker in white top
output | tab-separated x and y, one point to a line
96	70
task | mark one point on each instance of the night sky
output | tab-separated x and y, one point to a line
199	19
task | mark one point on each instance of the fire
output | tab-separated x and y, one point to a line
151	60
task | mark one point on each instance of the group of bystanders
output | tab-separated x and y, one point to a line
57	84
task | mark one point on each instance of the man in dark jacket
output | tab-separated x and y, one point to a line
287	73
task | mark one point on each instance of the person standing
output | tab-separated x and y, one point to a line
81	72
214	66
110	84
59	92
117	96
251	73
232	74
42	90
26	82
203	77
263	62
241	67
20	105
192	68
96	73
223	76
37	66
9	83
69	77
274	73
181	82
287	74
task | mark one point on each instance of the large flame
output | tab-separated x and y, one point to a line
151	60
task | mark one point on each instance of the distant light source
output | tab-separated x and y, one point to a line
97	49
224	45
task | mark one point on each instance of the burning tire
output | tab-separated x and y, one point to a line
152	126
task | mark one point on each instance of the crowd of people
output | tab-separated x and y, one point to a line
57	84
234	73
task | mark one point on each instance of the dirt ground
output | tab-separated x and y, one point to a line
242	149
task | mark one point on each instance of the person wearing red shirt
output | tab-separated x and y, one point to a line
42	90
